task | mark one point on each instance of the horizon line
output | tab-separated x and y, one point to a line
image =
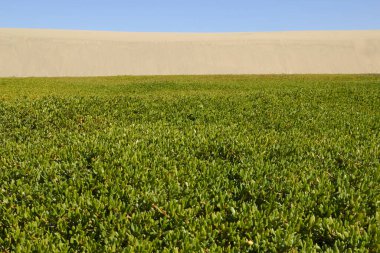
207	32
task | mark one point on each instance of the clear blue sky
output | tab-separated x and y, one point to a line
192	15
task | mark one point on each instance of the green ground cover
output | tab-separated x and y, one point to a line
190	164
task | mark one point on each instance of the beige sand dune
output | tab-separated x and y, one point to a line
33	52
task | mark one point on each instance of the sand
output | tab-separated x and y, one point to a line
34	52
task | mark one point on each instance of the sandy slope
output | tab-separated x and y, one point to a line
30	52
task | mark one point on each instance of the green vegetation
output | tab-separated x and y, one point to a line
191	164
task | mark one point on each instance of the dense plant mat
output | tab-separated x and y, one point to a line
190	164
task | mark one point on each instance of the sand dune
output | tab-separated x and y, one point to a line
32	52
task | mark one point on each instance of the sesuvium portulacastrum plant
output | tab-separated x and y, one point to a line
190	164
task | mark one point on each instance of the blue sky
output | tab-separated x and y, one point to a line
192	15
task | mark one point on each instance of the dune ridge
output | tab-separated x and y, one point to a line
40	52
